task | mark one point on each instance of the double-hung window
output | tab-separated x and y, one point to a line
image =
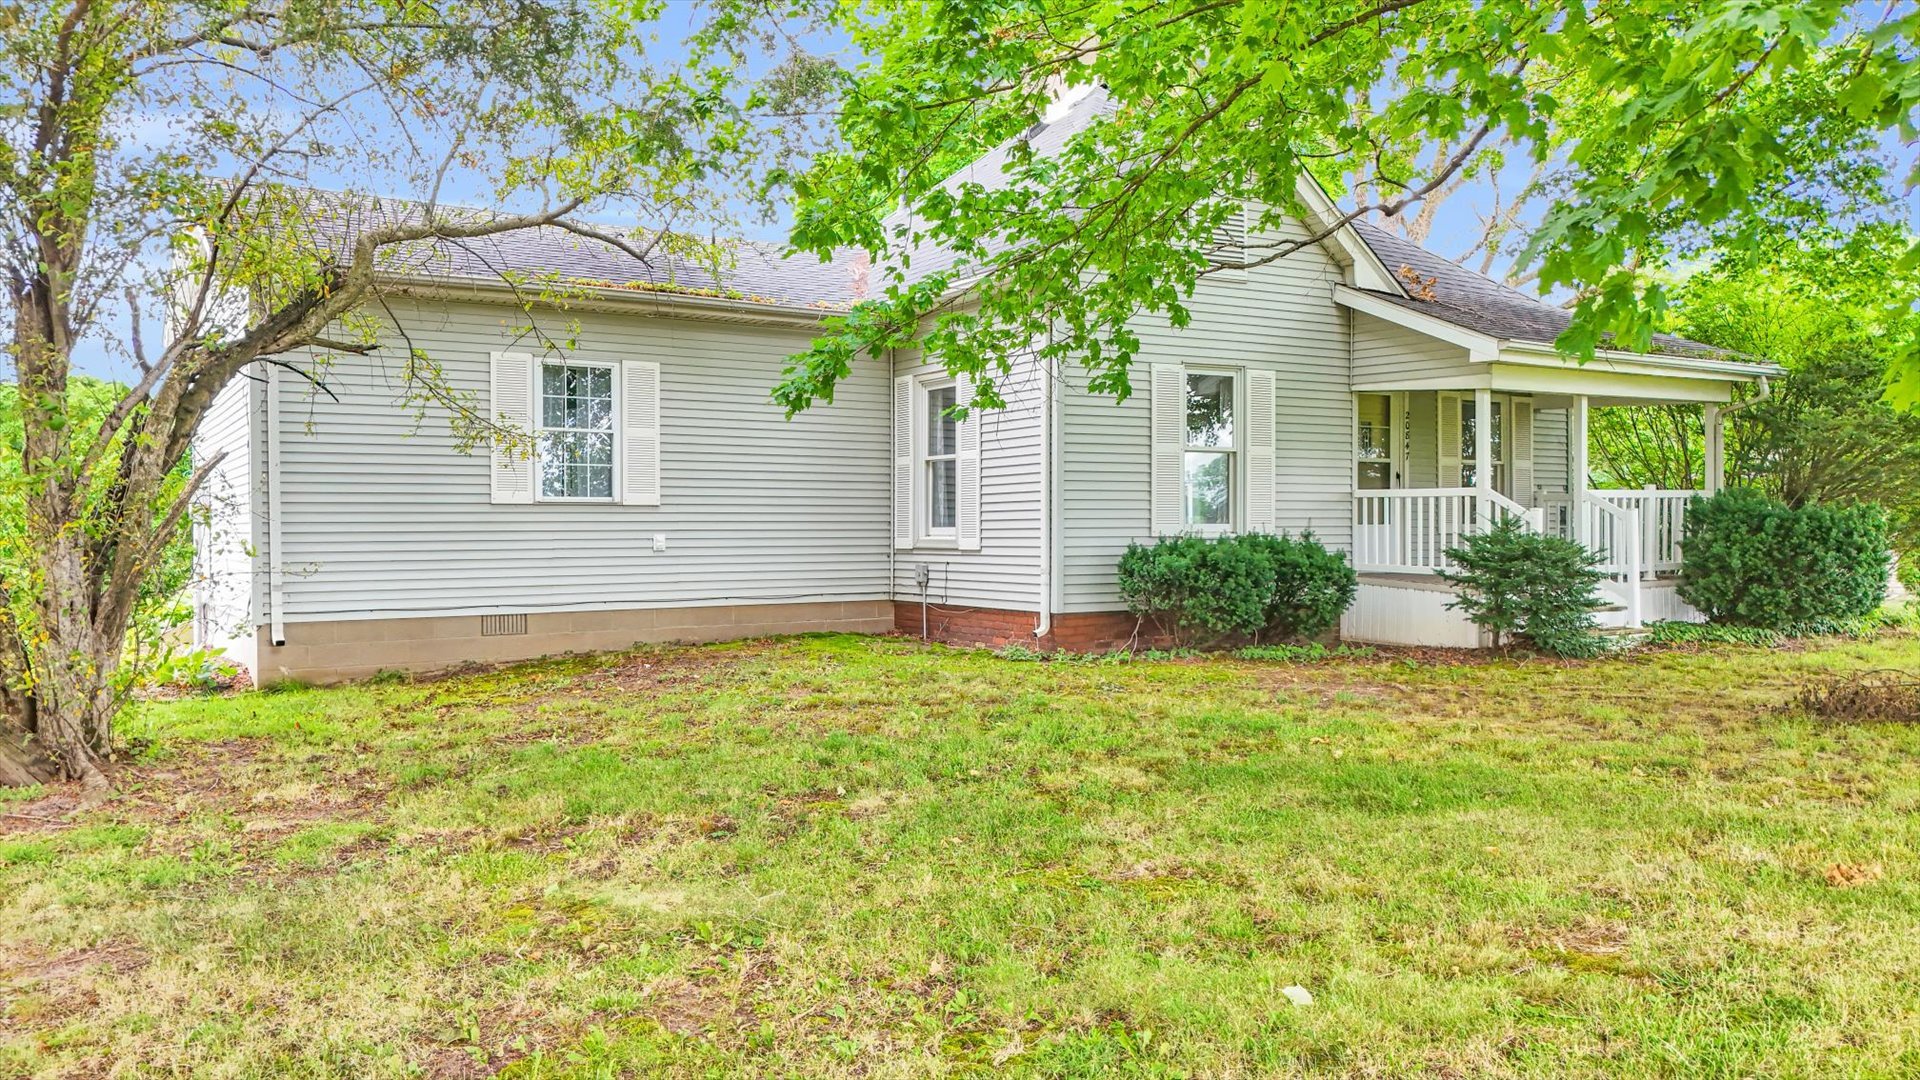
1377	445
1208	463
940	461
574	448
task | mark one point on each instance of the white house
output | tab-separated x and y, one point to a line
670	499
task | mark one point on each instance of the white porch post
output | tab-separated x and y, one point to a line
1577	469
1483	454
1716	464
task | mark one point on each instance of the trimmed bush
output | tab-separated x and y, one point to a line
1312	587
1203	590
1513	582
1749	560
1198	589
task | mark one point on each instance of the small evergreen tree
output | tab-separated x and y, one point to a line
1514	582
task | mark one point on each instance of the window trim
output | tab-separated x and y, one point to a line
924	534
1236	453
540	427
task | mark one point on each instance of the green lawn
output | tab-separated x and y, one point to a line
855	856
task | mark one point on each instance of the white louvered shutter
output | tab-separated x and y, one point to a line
1522	440
510	399
1230	241
1449	425
1260	454
1168	390
967	465
640	433
903	462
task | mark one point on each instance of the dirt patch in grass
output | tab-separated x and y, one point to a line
112	957
44	990
49	813
237	778
666	670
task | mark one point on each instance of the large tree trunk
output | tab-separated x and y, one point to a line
73	669
22	764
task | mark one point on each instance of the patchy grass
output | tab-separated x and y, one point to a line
859	856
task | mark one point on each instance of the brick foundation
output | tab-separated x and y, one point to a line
1098	631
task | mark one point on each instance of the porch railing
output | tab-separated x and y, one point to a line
1663	521
1637	534
1408	530
1614	532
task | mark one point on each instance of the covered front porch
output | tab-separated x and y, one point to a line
1455	430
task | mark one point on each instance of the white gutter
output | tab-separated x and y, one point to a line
602	298
276	598
1693	365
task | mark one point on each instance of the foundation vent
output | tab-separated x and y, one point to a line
502	625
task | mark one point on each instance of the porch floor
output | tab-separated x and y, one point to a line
1433	582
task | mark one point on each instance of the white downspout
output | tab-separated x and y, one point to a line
276	597
1047	481
1717	435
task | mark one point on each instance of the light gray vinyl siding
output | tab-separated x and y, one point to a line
224	532
1386	354
1550	449
1280	317
1005	572
383	516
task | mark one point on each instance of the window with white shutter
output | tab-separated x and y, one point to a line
591	430
1202	449
936	464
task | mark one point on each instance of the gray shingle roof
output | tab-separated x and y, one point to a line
757	273
1469	299
764	274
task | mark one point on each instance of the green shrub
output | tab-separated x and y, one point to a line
1313	586
1514	582
1203	590
1198	589
1754	561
